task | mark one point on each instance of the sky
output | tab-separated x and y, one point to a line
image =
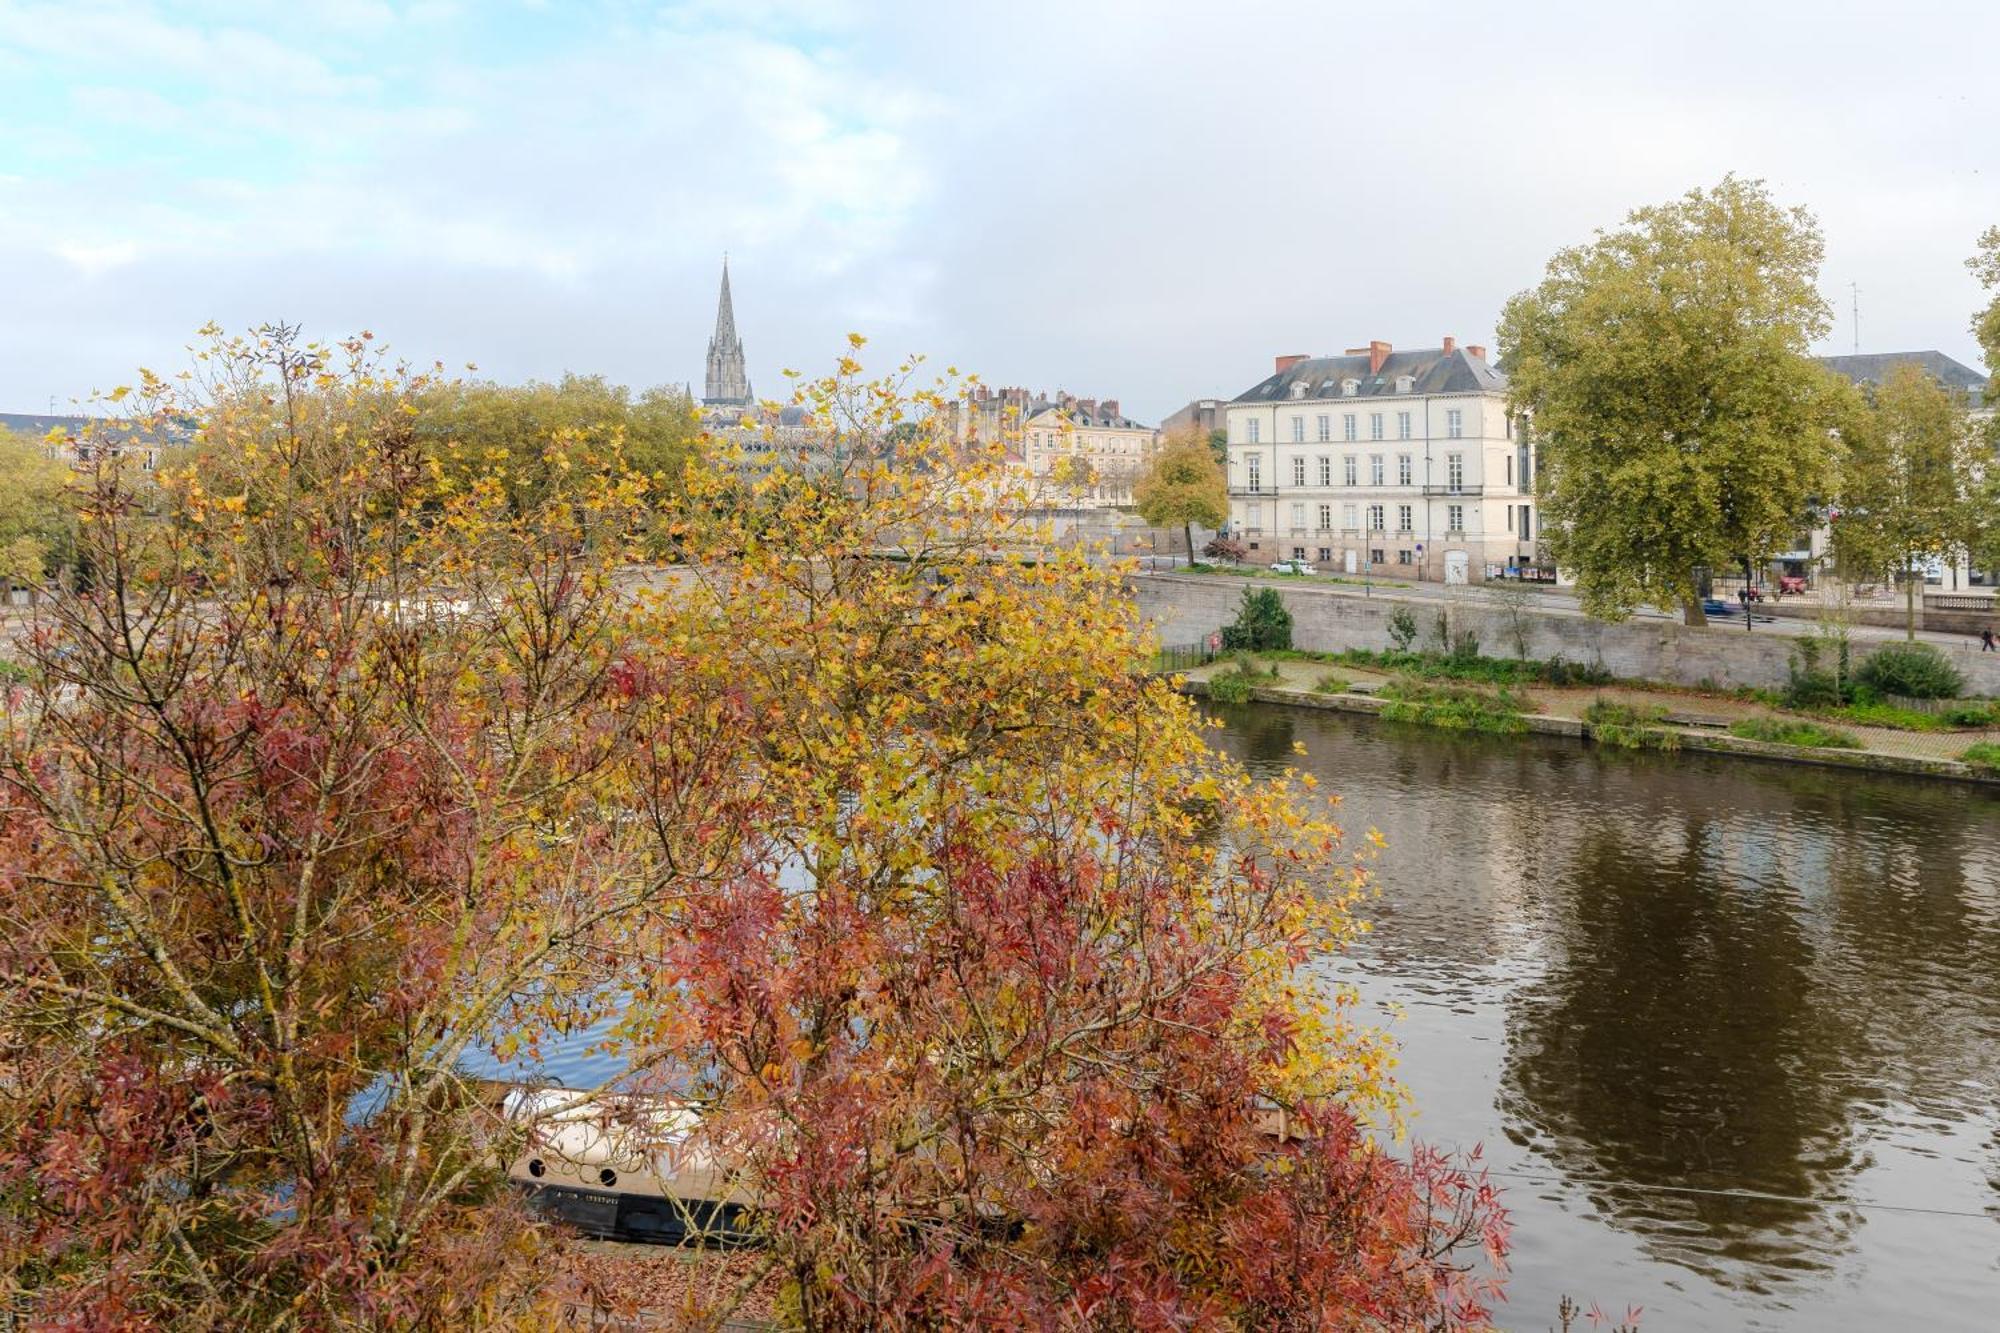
1141	201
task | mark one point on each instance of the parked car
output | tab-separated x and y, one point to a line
1291	567
1715	606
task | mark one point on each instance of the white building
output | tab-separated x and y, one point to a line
1407	463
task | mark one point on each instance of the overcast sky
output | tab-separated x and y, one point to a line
1144	201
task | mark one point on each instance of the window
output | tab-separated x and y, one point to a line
1325	517
1298	553
1402	469
1526	527
1325	468
1455	517
1350	387
1256	430
1256	465
1374	518
1454	471
1402	518
1298	472
1374	469
1298	430
1374	425
1402	425
1349	464
1510	469
1403	557
1375	558
1347	427
1326	555
1405	383
1510	425
1325	428
1298	515
1510	518
1454	424
1347	516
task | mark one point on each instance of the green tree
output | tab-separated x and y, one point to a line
1682	425
1184	486
1262	623
1909	489
37	522
1985	265
486	429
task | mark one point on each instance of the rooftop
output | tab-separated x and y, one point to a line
1874	367
1450	369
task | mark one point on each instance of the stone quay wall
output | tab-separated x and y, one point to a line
1186	609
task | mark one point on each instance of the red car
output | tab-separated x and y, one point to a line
1791	583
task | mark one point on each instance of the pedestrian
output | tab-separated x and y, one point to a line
1987	643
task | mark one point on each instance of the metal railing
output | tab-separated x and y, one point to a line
1182	657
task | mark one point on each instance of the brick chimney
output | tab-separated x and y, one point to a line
1377	353
1110	406
1087	406
1475	351
1450	344
1285	363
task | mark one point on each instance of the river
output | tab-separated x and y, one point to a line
1632	977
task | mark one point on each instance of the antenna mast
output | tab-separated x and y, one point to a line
1854	290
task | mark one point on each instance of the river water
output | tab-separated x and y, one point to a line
1620	972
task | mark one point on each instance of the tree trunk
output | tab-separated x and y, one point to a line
1187	527
1910	604
1691	612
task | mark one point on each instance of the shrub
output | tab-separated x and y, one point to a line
1559	670
1226	548
1972	715
13	673
1332	684
1983	757
1465	645
1790	731
1631	726
1229	687
1914	670
1261	622
1402	629
1453	707
1809	684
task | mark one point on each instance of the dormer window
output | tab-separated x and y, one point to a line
1349	388
1405	383
1298	388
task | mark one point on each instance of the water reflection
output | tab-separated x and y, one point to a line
1692	972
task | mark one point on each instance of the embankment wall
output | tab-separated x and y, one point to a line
1188	608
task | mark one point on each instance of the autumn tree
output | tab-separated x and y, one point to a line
310	798
1909	491
988	981
1184	486
1005	1022
1681	424
37	521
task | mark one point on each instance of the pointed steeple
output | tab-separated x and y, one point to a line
728	382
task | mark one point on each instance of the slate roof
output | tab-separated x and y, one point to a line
1080	419
1433	369
1874	367
29	423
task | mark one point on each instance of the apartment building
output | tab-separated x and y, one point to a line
1406	464
1041	431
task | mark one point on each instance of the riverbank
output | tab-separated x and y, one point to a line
1696	721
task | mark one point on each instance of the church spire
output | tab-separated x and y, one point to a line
728	382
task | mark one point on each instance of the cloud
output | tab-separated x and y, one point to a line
1143	201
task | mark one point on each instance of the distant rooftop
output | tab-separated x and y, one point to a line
1874	367
1377	372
